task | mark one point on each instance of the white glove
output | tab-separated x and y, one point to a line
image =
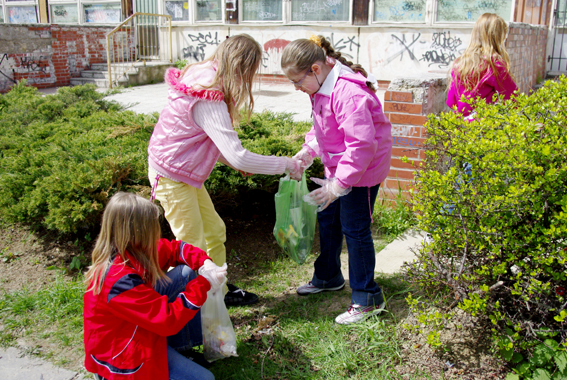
293	167
324	196
304	155
213	273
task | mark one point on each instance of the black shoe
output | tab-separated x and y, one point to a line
238	297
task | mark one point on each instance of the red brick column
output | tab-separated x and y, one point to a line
407	102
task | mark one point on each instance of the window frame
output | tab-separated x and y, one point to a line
431	7
82	15
240	7
348	22
20	3
53	3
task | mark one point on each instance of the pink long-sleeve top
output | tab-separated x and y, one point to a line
488	85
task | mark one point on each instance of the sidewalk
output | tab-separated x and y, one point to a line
273	97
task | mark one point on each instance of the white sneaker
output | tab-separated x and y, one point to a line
357	313
309	288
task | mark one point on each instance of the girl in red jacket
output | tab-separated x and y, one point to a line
136	317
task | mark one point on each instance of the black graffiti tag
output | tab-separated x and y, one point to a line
31	64
204	39
405	47
439	58
196	53
5	57
443	40
343	44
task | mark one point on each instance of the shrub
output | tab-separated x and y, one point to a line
493	194
62	156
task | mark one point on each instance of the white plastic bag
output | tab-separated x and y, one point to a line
219	339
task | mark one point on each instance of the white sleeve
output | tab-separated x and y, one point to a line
214	118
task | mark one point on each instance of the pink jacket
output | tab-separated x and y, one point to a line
350	132
179	149
486	88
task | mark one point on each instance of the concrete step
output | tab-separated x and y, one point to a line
99	66
140	73
102	83
94	74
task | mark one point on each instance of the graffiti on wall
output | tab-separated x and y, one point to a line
195	51
6	70
348	47
32	64
440	51
35	68
443	50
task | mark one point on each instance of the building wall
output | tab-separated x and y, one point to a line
385	52
48	55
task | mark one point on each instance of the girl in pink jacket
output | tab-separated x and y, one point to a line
484	68
352	136
194	131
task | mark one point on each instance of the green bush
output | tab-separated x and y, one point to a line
62	156
500	231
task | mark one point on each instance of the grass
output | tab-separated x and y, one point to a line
49	321
286	337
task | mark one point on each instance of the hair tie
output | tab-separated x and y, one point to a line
315	39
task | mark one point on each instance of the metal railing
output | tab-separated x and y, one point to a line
142	37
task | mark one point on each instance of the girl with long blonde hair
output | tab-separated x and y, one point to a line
484	68
194	131
138	320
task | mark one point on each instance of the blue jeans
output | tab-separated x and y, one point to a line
191	335
349	216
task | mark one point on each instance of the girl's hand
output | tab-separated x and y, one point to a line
330	190
293	167
305	157
213	273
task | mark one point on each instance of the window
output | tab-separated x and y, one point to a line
470	10
178	10
105	13
64	13
208	10
399	10
320	10
262	10
21	11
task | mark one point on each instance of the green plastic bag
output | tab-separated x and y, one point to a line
295	220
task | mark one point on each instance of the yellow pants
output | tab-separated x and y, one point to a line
192	216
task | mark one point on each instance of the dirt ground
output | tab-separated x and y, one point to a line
33	260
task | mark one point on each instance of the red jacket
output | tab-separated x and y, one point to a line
126	324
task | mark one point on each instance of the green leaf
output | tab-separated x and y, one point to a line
541	374
541	355
516	358
512	376
561	361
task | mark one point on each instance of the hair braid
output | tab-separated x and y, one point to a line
330	52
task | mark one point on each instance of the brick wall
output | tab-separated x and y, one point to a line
526	45
49	55
407	102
